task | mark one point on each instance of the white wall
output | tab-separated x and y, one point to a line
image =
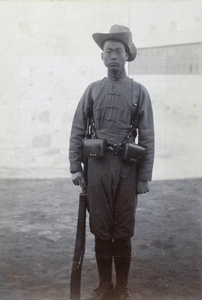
48	57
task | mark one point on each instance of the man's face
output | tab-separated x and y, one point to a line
114	55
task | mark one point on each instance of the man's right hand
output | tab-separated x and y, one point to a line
78	179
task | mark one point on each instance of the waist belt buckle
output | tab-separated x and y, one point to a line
114	150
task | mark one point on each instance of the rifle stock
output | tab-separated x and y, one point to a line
79	249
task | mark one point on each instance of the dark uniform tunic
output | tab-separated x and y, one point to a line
112	181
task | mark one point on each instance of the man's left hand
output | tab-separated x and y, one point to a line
142	187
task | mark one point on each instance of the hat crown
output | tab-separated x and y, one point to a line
119	28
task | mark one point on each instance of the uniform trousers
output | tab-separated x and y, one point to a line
112	197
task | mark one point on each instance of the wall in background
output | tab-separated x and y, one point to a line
174	59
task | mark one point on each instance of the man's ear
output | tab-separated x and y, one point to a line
127	55
102	55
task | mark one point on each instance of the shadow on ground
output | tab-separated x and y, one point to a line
37	233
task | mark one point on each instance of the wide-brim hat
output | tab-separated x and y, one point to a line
118	33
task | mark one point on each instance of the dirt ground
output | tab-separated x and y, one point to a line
37	235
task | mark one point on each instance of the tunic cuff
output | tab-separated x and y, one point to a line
144	176
75	167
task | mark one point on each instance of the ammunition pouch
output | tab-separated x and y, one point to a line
132	152
94	148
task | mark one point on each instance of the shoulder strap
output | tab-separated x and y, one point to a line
135	107
134	115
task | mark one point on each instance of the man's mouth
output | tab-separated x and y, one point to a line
113	64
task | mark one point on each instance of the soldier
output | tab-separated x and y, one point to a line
121	112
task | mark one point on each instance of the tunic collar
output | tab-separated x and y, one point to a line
117	77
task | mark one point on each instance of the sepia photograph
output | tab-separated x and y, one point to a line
100	150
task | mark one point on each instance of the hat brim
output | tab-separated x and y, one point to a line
123	37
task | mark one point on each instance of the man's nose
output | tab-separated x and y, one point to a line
113	56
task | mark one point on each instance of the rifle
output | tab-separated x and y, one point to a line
79	249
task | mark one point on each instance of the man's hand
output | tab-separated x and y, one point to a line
142	187
78	179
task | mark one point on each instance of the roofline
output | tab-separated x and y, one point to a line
166	46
